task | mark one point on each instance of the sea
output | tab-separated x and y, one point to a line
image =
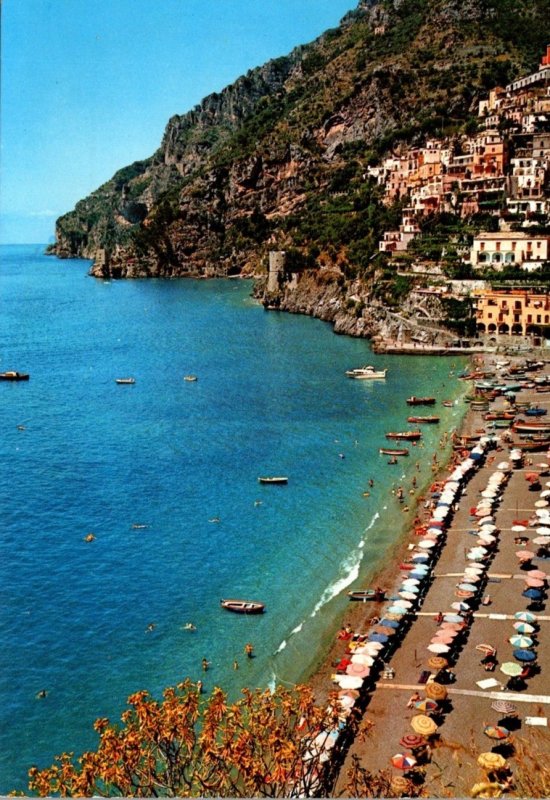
164	475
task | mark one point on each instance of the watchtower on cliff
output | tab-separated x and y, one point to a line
276	269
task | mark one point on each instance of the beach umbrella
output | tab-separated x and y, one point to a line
394	609
519	640
437	662
420	557
426	544
418	574
438	647
510	668
460	605
346	702
423	725
504	707
488	528
491	761
524	555
402	761
543	531
488	520
407	595
541	513
541	540
496	732
503	465
385	631
378	637
353	693
358	670
362	658
412	741
389	623
532	594
477	569
541	504
403	604
452	618
467	587
537	573
370	648
426	705
524	655
518	528
348	681
411	582
545	493
435	691
486	539
472	577
415	589
525	616
452	626
524	627
534	583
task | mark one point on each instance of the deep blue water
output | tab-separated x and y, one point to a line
271	398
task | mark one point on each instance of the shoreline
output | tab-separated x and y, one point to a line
358	614
373	735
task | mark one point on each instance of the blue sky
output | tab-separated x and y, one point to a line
87	86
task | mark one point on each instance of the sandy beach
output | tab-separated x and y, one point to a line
449	767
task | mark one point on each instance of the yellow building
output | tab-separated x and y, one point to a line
515	311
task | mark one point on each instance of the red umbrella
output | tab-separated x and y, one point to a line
402	761
537	573
412	740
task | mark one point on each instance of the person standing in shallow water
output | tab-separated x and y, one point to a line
249	650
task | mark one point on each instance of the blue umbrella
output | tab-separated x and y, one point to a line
389	623
421	568
396	610
532	594
525	655
378	637
417	574
420	557
467	587
452	618
475	456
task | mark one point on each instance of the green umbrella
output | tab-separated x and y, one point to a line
511	668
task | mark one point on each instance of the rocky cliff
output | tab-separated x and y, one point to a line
277	159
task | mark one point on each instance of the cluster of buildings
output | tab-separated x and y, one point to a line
502	170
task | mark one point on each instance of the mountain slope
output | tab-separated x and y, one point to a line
276	160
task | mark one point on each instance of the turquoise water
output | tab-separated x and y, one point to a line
271	398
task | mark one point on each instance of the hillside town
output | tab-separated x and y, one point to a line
500	172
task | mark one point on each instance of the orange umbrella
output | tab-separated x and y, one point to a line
423	725
435	691
437	662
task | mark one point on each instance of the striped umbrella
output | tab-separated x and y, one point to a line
423	725
521	641
496	732
525	616
412	741
524	627
435	691
504	707
426	705
491	761
402	761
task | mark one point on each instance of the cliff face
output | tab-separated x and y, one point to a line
255	167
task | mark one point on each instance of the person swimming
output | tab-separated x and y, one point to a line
189	627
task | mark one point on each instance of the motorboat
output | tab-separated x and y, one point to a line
421	420
243	606
125	381
420	401
530	427
277	479
410	436
190	378
14	376
366	372
389	451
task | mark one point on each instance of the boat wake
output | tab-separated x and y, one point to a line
350	569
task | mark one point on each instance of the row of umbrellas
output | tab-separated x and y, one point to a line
451	625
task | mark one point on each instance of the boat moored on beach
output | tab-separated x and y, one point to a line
531	427
243	606
366	372
430	420
367	594
11	375
420	401
276	479
392	451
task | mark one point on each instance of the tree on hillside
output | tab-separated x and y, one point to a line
189	746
